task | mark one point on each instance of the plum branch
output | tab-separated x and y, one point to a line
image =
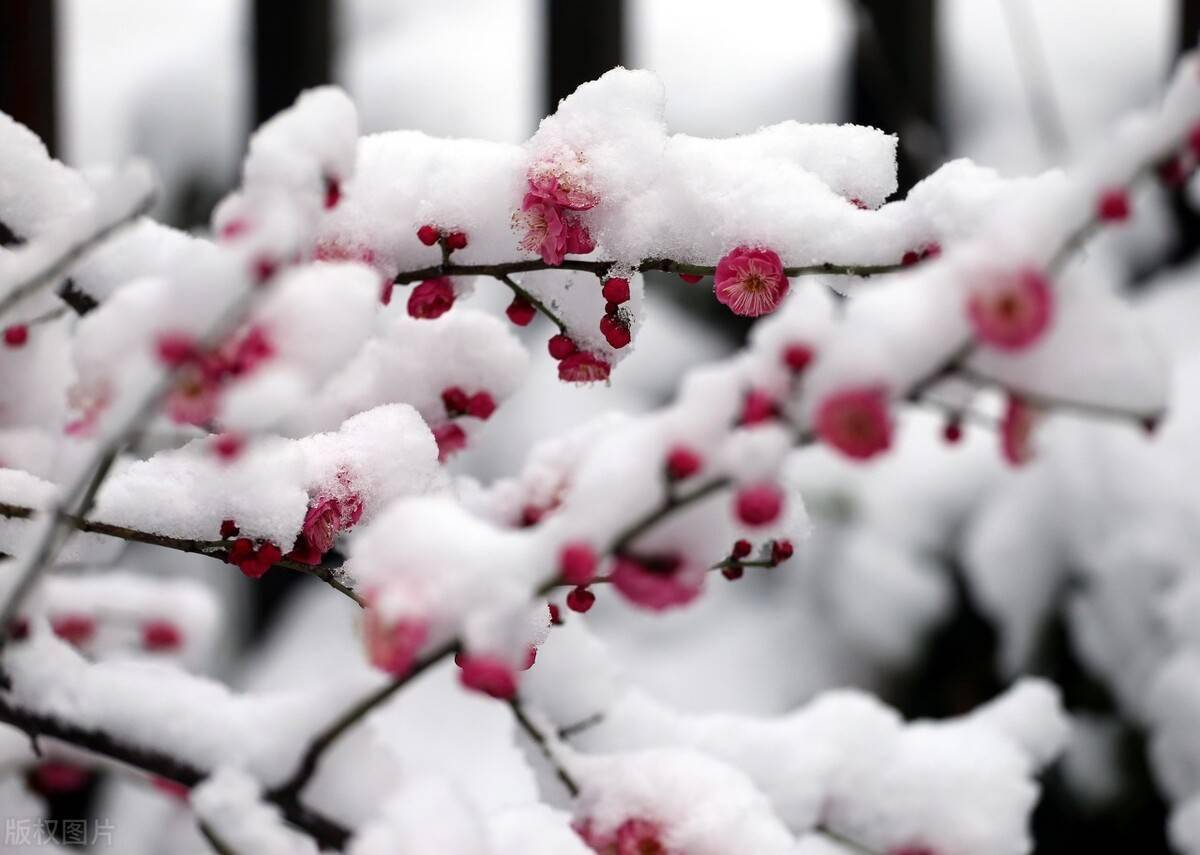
355	713
54	536
327	832
77	496
543	743
1058	402
533	301
673	502
219	549
502	272
602	268
213	839
55	268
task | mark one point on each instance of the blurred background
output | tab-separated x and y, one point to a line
1017	85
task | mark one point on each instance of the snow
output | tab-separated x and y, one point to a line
429	815
36	265
228	801
37	191
385	453
703	806
355	388
122	604
195	719
414	361
847	763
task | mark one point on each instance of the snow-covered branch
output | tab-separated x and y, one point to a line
254	397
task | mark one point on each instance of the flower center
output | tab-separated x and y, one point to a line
661	565
1008	306
755	282
858	425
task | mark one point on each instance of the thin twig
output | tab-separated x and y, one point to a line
92	473
327	832
1057	402
672	503
543	743
743	563
1036	80
533	301
49	315
601	268
213	839
218	549
502	273
54	536
57	268
351	716
327	737
848	842
576	728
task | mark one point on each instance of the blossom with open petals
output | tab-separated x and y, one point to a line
1011	311
750	281
657	582
583	367
855	421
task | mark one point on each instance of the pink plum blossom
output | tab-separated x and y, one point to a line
489	675
550	232
431	299
583	367
1016	431
632	837
326	518
450	439
760	406
393	645
562	191
855	421
657	582
579	239
750	281
161	635
337	249
545	229
577	563
57	776
1011	311
759	504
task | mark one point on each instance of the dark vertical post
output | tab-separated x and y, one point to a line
895	79
27	66
293	50
1187	220
1189	24
584	39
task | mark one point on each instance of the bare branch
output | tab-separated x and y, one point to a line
76	497
214	840
56	268
543	743
218	549
325	739
601	268
325	831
